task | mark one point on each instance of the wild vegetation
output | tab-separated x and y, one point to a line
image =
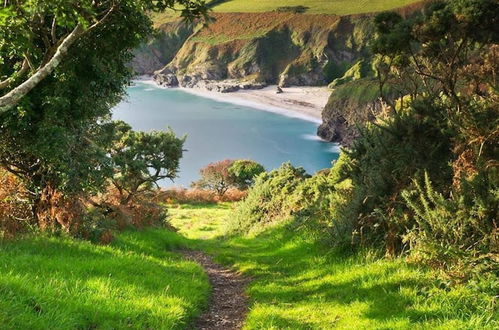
401	232
57	91
421	179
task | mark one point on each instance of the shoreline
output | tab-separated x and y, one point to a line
304	103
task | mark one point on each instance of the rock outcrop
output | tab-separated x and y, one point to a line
256	49
251	50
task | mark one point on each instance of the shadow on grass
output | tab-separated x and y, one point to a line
297	284
59	283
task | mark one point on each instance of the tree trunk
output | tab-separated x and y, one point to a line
13	97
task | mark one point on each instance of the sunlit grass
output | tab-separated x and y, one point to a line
338	7
299	283
59	283
200	221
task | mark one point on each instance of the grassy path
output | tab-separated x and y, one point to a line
228	303
141	281
298	283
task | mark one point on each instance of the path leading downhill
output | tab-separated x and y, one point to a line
228	303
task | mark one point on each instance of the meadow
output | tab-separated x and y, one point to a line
300	283
337	7
135	283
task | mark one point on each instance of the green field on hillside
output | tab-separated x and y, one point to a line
335	7
338	7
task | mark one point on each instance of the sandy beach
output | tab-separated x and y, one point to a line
300	102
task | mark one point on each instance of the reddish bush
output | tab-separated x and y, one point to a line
194	195
15	212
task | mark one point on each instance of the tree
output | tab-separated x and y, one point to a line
443	62
57	139
223	175
217	177
37	35
244	172
140	160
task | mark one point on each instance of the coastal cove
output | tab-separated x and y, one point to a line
217	129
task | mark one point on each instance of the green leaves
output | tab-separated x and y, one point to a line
140	159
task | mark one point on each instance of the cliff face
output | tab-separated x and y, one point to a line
350	106
162	48
254	49
251	50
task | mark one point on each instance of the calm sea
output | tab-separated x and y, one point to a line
218	130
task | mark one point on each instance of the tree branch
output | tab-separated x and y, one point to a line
14	96
10	99
24	68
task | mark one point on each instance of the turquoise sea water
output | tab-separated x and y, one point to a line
219	130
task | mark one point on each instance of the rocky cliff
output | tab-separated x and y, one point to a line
254	49
251	50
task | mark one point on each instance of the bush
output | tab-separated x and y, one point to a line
292	9
182	195
15	212
244	172
453	232
382	163
269	200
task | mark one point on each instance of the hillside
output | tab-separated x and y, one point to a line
251	47
335	7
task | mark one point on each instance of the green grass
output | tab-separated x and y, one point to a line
338	7
139	282
59	283
200	221
298	283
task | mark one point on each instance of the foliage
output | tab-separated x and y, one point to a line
57	140
244	172
444	233
194	195
442	63
15	212
216	177
140	160
268	201
133	283
223	175
292	9
36	35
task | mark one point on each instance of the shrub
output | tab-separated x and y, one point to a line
15	212
244	172
182	195
268	200
226	174
453	232
292	9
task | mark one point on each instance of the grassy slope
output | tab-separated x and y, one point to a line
338	7
299	284
58	283
334	7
